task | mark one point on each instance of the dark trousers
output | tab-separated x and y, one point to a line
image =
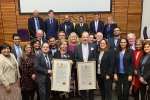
105	87
144	91
122	94
70	95
44	89
135	94
27	95
83	94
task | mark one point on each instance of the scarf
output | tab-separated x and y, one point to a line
136	63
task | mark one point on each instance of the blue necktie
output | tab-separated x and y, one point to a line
37	21
47	62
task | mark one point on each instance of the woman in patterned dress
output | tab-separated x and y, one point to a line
63	53
9	75
28	85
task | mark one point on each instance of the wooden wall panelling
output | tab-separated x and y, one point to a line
9	19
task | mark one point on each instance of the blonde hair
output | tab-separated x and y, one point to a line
24	55
61	42
110	18
73	34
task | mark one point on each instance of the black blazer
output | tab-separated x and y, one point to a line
99	29
32	28
128	62
107	63
79	29
112	43
71	28
146	71
70	56
41	67
13	50
111	32
78	53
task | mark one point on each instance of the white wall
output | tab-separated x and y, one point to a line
146	17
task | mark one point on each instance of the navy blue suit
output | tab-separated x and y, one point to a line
112	43
51	30
99	29
110	32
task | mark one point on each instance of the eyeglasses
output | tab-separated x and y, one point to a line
102	43
45	47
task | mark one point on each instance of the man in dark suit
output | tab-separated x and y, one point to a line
67	26
51	25
35	23
43	69
52	45
96	25
81	26
114	41
16	49
39	36
85	52
99	36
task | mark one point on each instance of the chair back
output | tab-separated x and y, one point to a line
24	34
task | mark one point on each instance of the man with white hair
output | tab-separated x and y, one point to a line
39	36
99	36
131	39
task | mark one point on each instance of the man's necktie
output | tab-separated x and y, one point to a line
96	26
51	22
47	62
37	21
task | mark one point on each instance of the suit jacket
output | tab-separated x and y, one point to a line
107	63
128	62
13	50
146	71
99	29
79	55
67	32
41	67
79	29
96	45
111	32
70	56
32	27
51	30
7	70
112	43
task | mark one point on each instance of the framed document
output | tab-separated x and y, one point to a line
86	72
61	75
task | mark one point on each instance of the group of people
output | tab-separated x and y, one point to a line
28	69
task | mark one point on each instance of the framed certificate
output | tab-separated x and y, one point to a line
61	75
86	73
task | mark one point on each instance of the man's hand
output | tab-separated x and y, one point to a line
50	72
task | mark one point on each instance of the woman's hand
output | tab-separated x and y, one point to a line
115	77
129	78
18	82
142	80
33	76
135	72
107	77
8	89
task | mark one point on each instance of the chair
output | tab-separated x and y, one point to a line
24	34
145	33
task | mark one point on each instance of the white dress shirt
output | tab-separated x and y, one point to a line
85	52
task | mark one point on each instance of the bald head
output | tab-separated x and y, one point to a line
99	36
36	13
67	18
39	34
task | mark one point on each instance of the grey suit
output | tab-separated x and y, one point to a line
79	58
42	76
13	50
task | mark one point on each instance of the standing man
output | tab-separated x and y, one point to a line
51	25
16	49
52	45
35	23
81	26
114	41
131	39
85	52
99	36
96	25
67	26
91	38
43	69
